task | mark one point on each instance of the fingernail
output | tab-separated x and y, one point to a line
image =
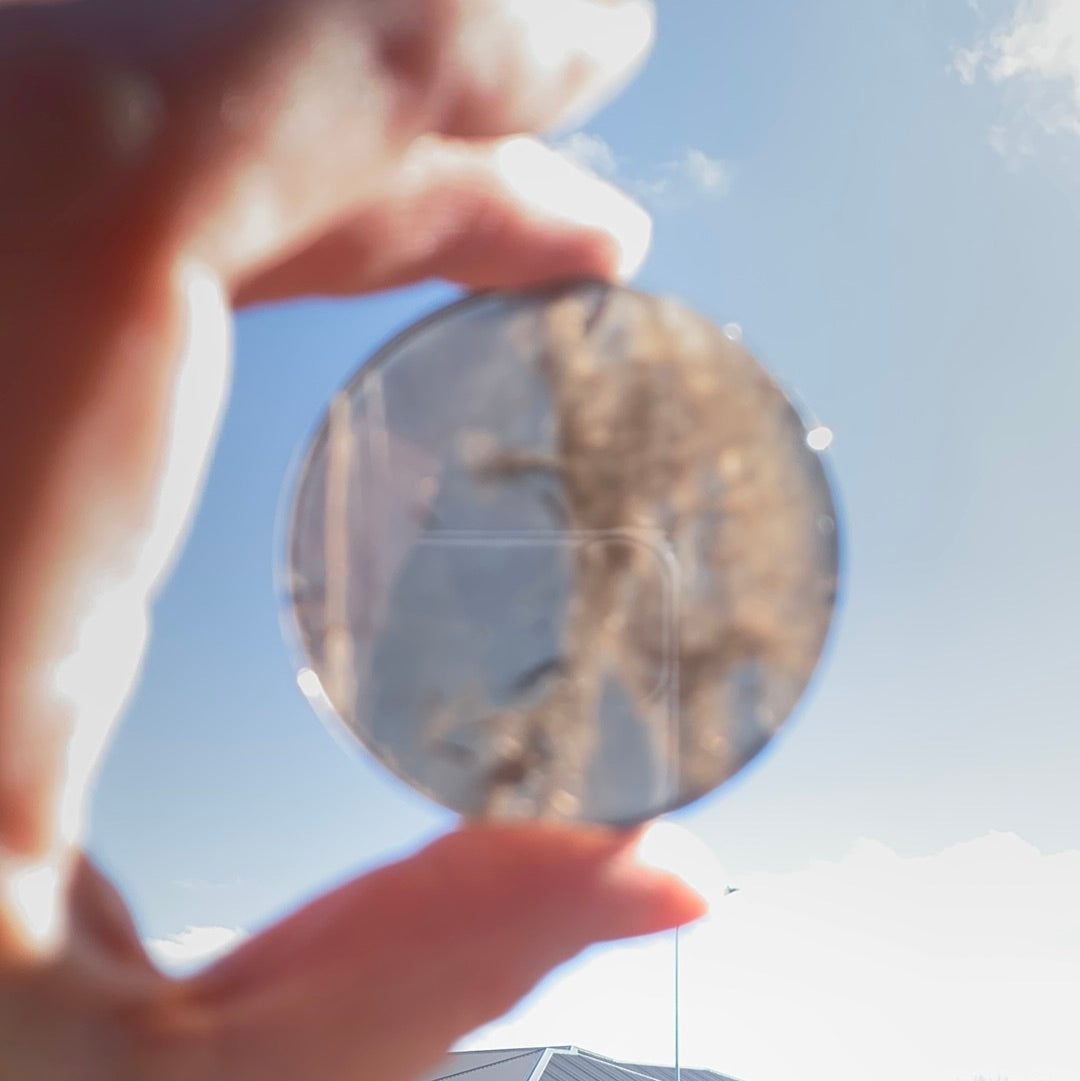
658	883
615	36
633	234
557	188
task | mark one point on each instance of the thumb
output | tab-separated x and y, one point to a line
380	977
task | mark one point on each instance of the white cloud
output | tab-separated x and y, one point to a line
192	948
708	175
590	152
944	968
686	178
1037	51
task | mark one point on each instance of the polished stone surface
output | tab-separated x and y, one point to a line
562	555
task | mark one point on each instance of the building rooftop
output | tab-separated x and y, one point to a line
555	1064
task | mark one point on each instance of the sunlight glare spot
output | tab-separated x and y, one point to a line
309	683
819	438
34	894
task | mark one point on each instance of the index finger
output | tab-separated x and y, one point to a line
267	120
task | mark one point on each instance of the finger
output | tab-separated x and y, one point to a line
531	65
100	463
467	68
102	940
456	67
380	977
77	1012
507	214
232	129
249	127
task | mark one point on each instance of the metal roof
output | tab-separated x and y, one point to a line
511	1065
555	1064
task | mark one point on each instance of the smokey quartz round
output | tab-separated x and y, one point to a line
564	555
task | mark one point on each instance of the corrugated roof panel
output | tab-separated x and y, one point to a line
565	1064
588	1066
579	1068
667	1073
629	1072
513	1065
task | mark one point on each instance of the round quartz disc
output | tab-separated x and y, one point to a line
569	554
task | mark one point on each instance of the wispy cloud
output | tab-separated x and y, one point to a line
193	947
689	177
941	967
591	152
708	175
1036	51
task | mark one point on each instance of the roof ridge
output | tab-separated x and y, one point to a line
627	1067
597	1055
636	1072
524	1053
630	1069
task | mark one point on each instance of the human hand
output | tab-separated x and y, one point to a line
158	165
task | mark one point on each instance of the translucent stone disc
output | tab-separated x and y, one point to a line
569	555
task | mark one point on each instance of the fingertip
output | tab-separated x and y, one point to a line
652	894
616	36
556	189
590	881
634	239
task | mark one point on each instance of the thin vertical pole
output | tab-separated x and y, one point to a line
678	1075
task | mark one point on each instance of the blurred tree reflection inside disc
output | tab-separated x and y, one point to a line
568	555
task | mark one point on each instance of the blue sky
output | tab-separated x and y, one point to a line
886	197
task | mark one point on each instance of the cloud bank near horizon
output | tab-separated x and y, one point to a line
942	967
